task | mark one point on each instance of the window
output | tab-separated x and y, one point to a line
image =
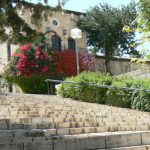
56	42
55	22
71	44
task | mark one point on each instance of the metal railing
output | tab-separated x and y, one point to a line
55	82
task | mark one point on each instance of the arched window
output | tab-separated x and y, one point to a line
56	42
71	44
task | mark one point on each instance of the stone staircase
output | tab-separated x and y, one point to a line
36	122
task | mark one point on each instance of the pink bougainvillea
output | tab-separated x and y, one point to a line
31	60
26	47
87	61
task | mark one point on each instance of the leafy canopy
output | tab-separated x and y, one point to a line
143	19
13	28
103	25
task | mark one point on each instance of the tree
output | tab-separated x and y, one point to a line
13	28
143	19
103	25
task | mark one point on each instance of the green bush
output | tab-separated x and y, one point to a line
33	84
122	97
140	98
124	92
85	92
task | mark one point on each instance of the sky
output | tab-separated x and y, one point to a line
83	5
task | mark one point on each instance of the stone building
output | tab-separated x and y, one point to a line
57	29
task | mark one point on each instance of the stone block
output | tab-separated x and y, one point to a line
4	121
16	126
26	120
80	143
47	120
4	133
101	129
49	132
63	131
69	119
43	126
62	124
78	119
18	140
30	126
148	147
130	148
59	119
35	133
19	133
73	124
38	146
123	140
5	140
11	147
80	124
70	144
89	130
95	142
41	140
37	120
3	126
76	130
145	138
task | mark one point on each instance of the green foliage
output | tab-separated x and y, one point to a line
83	91
123	92
12	26
33	84
122	97
141	99
143	19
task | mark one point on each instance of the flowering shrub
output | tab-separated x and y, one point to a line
30	60
66	62
87	62
31	65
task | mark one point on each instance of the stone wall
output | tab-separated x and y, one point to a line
120	66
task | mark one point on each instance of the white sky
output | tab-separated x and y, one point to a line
83	5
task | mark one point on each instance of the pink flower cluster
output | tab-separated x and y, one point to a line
87	61
31	60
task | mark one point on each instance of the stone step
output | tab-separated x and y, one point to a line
143	147
30	123
90	141
26	111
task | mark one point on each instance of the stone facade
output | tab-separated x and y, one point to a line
58	27
60	22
